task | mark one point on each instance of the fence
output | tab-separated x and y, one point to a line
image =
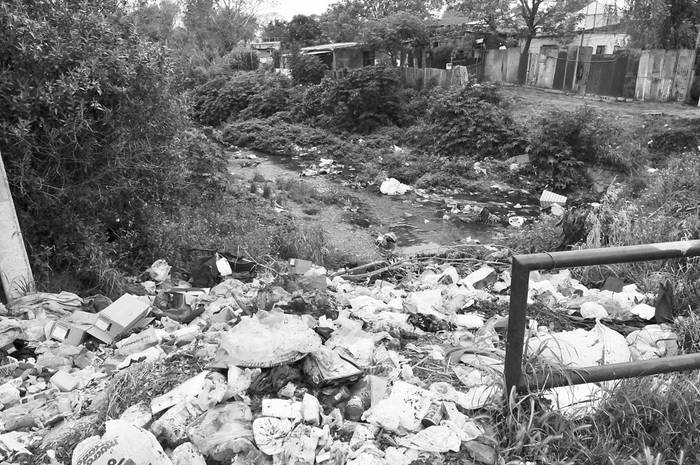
653	75
457	76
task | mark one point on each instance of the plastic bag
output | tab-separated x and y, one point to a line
270	434
403	410
223	432
267	339
159	271
122	443
433	439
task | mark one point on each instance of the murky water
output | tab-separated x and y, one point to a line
421	221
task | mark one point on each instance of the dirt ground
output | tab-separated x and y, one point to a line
529	102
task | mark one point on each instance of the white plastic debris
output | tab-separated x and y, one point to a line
516	221
547	199
403	410
391	186
433	439
270	434
477	276
187	454
121	443
579	348
267	339
644	311
653	341
593	310
159	270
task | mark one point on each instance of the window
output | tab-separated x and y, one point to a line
600	50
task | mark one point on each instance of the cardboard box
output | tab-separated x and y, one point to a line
300	266
73	329
124	314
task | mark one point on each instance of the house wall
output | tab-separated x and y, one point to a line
610	40
348	58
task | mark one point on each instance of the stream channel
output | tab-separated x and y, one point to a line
422	221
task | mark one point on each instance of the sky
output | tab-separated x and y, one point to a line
289	8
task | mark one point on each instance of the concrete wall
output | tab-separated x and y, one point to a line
590	39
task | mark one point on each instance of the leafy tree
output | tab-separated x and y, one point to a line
396	33
307	69
277	30
155	21
86	128
342	22
219	25
668	24
378	9
304	30
528	17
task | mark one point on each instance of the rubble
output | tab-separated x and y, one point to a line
298	367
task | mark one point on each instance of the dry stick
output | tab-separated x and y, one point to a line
412	260
358	268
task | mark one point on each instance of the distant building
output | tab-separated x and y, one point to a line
266	50
343	55
601	27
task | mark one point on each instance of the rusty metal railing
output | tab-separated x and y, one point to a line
515	337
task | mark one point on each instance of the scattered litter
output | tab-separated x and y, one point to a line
304	366
547	199
391	186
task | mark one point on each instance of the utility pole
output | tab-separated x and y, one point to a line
15	273
578	50
692	73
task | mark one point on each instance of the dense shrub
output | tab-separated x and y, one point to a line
278	137
85	129
259	94
307	69
365	99
240	60
565	141
470	122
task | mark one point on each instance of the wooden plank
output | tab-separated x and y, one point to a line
549	70
512	62
683	75
15	272
641	90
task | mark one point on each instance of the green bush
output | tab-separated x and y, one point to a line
470	122
365	99
245	94
240	60
86	129
306	69
567	140
277	137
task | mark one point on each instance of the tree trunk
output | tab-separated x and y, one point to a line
524	56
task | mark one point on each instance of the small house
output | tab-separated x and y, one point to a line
344	55
266	50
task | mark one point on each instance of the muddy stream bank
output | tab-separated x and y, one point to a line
353	217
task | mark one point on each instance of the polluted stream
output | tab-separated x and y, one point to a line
422	221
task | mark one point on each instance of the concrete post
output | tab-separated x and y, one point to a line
15	273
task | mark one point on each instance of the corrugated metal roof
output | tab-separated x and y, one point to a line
330	47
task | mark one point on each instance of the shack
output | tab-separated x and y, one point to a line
344	55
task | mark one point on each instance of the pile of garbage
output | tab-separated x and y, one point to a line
293	365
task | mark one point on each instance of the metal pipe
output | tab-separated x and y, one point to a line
606	256
609	372
517	319
517	314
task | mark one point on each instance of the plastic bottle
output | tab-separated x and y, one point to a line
360	400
